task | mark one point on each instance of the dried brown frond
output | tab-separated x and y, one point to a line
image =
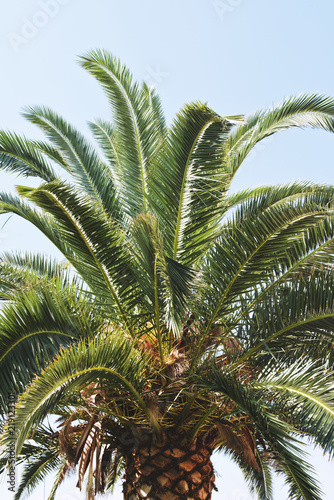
66	441
238	440
65	469
87	451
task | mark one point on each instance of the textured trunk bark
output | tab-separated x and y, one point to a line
171	470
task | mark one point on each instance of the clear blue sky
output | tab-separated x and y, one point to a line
237	55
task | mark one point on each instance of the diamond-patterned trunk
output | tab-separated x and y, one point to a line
172	470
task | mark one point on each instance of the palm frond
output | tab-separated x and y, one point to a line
188	181
63	467
251	202
182	313
46	224
105	135
36	264
21	156
34	325
110	358
106	268
260	480
168	284
22	271
51	152
305	110
305	393
35	471
136	125
298	318
154	102
82	162
251	248
286	449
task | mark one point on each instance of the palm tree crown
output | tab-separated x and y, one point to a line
184	319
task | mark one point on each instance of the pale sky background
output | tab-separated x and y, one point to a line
237	55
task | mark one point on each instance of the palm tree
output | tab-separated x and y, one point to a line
184	319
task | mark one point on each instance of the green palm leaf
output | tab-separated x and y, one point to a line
113	359
306	392
285	449
36	470
104	264
189	180
305	110
82	162
34	325
184	319
21	156
298	317
250	248
137	128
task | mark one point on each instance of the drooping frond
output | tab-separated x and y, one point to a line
259	480
21	156
285	449
259	246
51	152
154	103
108	358
305	110
82	162
23	271
292	321
107	267
305	393
33	327
36	470
104	133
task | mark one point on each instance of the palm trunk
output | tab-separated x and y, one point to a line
171	470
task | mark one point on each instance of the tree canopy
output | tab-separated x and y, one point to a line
183	317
